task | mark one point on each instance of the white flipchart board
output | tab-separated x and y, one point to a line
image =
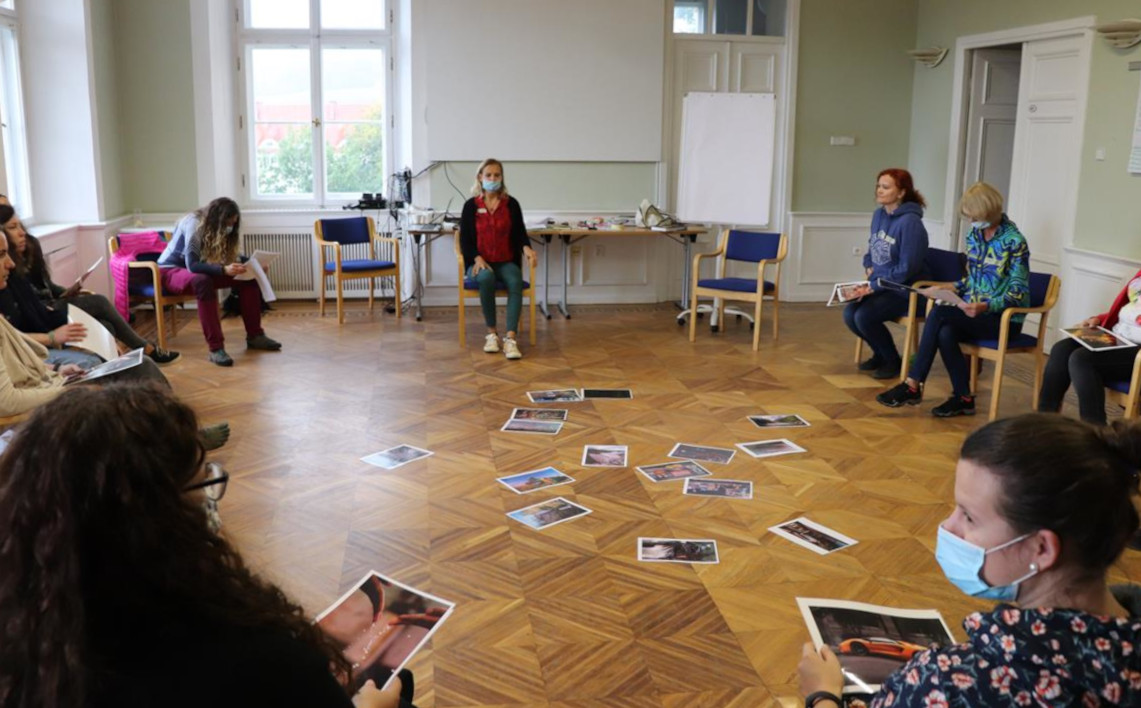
725	174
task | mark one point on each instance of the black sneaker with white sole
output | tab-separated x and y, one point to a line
162	356
899	395
953	406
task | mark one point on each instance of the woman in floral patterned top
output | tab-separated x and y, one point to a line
997	277
1043	507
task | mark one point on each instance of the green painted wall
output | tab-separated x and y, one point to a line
854	78
1109	199
556	186
156	104
107	107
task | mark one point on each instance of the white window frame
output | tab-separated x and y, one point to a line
313	38
17	187
711	21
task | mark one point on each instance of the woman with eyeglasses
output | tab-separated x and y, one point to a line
1044	506
114	590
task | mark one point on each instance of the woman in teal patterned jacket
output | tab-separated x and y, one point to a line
997	277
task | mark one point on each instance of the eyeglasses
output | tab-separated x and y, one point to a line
214	486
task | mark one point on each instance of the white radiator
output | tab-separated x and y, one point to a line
295	276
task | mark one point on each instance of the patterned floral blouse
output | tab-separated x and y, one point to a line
1041	657
998	271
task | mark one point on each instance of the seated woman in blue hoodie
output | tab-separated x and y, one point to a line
1044	506
897	248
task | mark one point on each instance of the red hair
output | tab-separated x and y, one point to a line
903	181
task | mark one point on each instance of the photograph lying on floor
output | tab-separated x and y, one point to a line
394	457
527	425
526	482
700	453
871	641
770	448
589	393
677	550
673	471
604	456
539	414
563	395
549	513
813	536
728	488
379	624
785	420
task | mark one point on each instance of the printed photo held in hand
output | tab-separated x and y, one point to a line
549	513
677	550
527	482
673	471
728	488
394	457
846	292
604	456
813	536
1097	339
562	395
780	420
770	448
129	360
379	624
527	425
701	453
871	641
939	295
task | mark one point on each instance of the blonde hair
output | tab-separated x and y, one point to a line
477	188
218	246
982	202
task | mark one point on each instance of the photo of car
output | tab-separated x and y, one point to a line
880	646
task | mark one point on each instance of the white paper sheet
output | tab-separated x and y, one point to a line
98	340
255	270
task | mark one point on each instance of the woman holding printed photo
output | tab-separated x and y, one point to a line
1070	362
1044	506
493	240
897	248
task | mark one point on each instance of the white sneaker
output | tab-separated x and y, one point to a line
511	349
491	343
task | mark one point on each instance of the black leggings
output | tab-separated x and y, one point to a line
1070	362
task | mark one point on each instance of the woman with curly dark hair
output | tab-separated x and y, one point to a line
114	592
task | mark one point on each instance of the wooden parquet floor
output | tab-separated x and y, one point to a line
567	617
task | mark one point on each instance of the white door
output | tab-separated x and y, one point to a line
991	116
1047	145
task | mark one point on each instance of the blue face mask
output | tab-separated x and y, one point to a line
962	563
980	225
489	186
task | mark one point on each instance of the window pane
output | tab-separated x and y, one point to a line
730	16
354	113
13	132
282	115
352	14
279	14
689	17
768	17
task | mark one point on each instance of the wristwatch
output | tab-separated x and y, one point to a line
812	699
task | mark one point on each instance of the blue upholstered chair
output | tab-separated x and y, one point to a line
469	288
1127	393
943	268
1043	295
336	233
148	289
759	248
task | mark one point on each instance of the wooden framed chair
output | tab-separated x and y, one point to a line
762	248
468	288
1127	393
1044	290
151	291
335	233
943	268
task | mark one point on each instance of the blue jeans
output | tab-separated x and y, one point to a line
512	278
946	327
866	318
